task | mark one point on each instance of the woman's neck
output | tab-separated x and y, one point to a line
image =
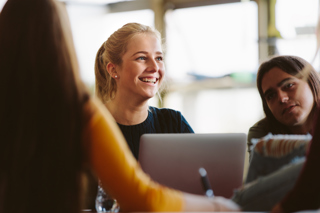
302	129
127	112
306	127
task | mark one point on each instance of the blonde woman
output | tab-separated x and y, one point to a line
130	70
51	129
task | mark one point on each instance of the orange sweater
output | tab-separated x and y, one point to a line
119	172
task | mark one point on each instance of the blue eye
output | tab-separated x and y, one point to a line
159	58
141	58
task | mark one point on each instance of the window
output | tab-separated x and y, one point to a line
92	25
212	40
297	27
2	2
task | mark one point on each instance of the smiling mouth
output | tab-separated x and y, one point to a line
149	80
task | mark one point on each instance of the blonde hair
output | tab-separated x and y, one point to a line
112	51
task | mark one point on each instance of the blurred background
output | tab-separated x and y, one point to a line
213	49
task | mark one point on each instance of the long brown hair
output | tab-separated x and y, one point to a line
41	111
295	66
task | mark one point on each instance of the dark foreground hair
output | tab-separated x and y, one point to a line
41	110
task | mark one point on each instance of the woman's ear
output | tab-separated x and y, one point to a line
111	68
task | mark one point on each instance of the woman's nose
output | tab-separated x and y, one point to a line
153	65
283	97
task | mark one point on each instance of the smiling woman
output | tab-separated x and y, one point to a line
129	71
52	130
141	72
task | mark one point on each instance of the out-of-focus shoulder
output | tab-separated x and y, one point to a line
263	123
96	110
93	104
259	129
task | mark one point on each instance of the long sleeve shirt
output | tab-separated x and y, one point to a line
118	170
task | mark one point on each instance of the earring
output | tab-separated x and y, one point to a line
115	76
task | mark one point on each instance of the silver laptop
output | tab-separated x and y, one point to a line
174	160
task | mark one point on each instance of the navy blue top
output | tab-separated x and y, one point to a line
158	121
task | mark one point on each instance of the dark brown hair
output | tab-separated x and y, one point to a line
292	65
41	111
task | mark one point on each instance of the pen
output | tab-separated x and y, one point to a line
205	182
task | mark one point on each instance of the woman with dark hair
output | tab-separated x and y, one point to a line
289	102
51	130
41	112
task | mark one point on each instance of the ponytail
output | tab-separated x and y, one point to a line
105	86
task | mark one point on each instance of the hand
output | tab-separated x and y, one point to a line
225	205
200	203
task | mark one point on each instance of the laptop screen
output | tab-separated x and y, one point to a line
174	160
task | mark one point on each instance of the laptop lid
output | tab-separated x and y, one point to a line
174	160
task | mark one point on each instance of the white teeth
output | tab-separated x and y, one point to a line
149	80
